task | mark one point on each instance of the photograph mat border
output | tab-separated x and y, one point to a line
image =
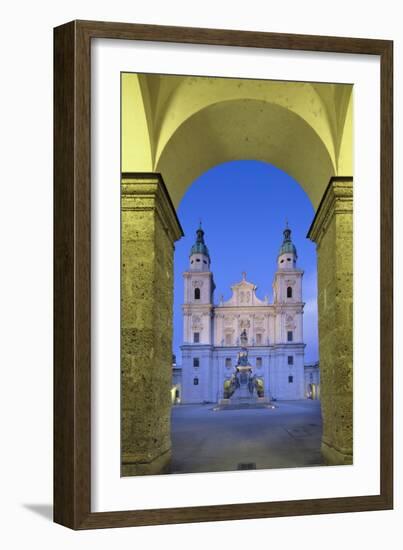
72	273
110	490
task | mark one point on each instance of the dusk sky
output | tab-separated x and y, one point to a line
243	206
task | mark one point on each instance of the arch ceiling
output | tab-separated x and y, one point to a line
182	126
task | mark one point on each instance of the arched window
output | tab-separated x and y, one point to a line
289	292
197	293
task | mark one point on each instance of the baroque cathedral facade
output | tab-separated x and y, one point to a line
211	332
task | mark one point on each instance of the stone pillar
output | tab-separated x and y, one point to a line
149	229
332	231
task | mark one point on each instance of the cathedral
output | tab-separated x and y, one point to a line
271	331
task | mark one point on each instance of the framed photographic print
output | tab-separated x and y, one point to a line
223	275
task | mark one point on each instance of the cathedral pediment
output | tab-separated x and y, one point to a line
243	294
244	285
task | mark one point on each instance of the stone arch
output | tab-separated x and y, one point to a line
241	130
158	110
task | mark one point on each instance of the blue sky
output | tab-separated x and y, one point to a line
243	206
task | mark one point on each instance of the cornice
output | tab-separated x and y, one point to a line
337	199
147	192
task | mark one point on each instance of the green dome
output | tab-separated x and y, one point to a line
199	246
287	246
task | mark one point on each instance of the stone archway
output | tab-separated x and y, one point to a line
175	128
246	129
304	129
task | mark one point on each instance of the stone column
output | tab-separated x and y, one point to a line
149	229
332	231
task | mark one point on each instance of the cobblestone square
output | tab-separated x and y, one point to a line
205	440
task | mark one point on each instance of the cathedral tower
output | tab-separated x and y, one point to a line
197	323
288	278
199	283
289	309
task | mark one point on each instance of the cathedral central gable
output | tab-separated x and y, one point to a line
244	294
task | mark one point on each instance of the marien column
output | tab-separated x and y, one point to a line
332	231
149	229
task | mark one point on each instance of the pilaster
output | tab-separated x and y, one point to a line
149	229
332	231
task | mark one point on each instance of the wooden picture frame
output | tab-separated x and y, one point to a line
72	271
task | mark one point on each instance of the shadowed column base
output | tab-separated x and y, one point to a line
159	465
334	457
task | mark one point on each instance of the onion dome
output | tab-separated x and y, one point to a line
199	246
287	246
